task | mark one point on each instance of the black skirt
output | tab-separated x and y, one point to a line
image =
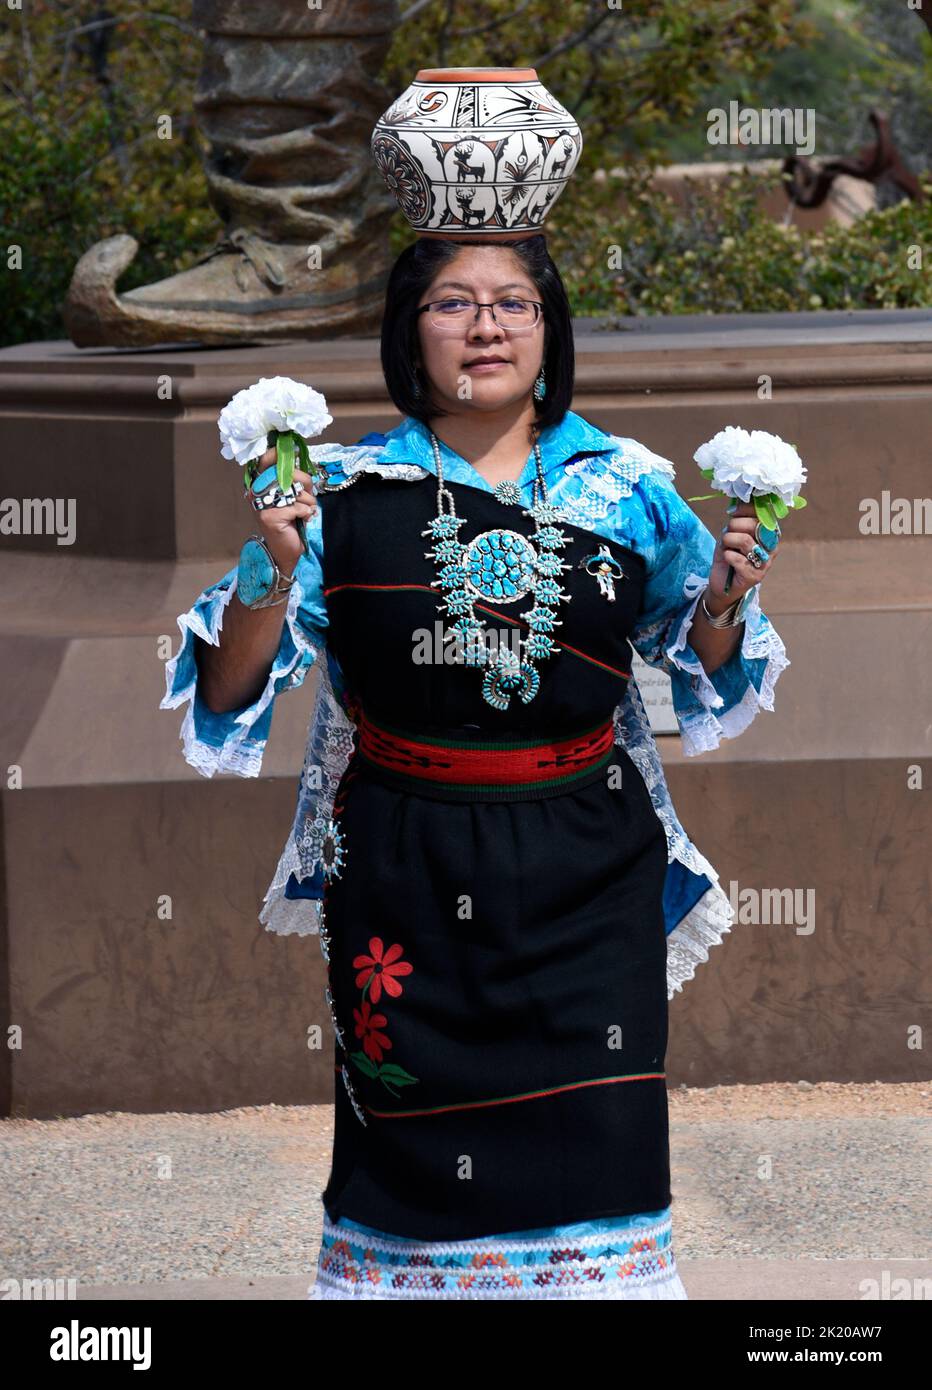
497	967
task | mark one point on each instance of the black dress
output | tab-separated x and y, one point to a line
496	958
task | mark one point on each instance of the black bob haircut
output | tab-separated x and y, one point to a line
410	277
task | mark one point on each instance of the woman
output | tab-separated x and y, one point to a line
505	894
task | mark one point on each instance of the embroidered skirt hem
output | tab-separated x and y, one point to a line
609	1258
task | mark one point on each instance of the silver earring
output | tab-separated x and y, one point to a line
540	387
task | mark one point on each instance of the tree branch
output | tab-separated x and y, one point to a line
111	20
573	40
492	23
413	10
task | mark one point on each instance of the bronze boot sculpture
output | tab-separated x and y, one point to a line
287	96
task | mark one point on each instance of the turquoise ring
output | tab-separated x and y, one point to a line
765	537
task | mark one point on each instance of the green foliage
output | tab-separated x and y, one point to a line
83	88
720	254
889	66
860	54
640	86
630	72
81	99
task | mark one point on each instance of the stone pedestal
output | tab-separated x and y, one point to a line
120	1009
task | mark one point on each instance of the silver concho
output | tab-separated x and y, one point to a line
332	851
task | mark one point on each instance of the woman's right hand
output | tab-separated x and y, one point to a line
277	524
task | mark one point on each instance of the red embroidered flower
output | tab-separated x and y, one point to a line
381	968
367	1026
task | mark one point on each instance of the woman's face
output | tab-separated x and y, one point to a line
485	274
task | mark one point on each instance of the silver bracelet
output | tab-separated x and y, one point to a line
727	619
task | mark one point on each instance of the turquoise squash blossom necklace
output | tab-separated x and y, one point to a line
502	566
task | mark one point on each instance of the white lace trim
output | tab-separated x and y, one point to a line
364	458
705	924
410	472
237	754
328	751
689	943
633	731
702	732
289	916
666	1286
614	478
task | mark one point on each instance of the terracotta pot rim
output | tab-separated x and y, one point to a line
476	75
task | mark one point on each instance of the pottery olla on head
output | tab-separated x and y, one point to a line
476	152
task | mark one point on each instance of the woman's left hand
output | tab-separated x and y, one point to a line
732	547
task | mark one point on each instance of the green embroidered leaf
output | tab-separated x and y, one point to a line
392	1075
364	1063
392	1072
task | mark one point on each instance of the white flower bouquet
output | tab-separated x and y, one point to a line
275	411
752	467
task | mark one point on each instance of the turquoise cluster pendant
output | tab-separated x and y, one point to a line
501	566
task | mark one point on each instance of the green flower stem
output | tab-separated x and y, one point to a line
768	506
284	466
286	444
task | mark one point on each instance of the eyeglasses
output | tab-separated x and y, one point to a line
454	315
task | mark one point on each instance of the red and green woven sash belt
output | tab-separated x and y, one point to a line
484	769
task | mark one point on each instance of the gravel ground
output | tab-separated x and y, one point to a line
797	1170
822	1171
